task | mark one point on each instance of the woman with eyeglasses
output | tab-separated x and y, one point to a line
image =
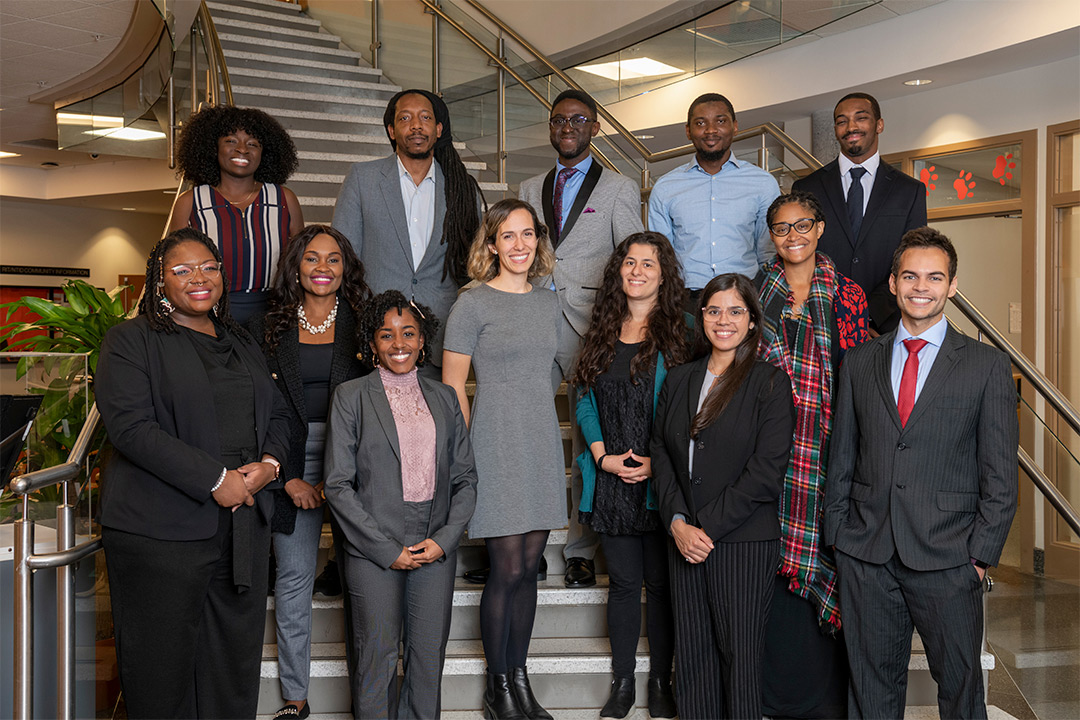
200	431
720	444
811	316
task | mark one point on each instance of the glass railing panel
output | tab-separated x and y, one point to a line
409	61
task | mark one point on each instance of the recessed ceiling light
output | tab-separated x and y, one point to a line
644	137
6	154
631	69
129	209
169	192
127	133
917	82
67	118
50	164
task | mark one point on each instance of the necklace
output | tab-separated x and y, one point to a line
258	186
301	319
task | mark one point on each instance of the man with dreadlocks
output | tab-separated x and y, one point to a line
412	216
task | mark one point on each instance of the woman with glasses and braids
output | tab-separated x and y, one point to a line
239	160
200	430
309	337
812	316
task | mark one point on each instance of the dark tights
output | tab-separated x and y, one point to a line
508	605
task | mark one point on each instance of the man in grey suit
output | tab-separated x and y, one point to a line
922	490
588	210
411	216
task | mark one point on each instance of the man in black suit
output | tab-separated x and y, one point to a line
865	220
922	490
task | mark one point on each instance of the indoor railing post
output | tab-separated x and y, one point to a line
172	123
763	155
436	85
375	44
194	73
22	704
501	119
65	610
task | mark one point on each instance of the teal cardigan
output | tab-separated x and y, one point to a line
588	418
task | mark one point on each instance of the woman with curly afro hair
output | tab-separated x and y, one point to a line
238	160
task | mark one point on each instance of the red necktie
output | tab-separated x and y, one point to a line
556	202
909	379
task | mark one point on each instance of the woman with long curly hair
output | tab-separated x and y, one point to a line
200	431
309	337
238	160
719	447
638	331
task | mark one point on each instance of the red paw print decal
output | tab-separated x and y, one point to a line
964	185
927	175
1003	166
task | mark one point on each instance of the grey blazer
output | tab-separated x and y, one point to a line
370	212
941	489
363	470
598	221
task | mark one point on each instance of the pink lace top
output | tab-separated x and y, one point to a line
416	434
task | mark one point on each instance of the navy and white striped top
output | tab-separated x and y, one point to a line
250	240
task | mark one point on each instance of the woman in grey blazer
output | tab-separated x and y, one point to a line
401	482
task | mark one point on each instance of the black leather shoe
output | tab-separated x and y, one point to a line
499	702
580	573
621	701
328	584
519	684
479	576
661	699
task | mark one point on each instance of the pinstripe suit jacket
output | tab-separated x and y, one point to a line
941	489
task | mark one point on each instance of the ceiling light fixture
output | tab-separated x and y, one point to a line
917	82
128	133
6	154
67	118
632	69
128	209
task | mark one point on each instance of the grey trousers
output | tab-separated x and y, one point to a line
410	606
297	557
581	540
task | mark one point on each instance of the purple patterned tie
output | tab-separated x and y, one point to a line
560	185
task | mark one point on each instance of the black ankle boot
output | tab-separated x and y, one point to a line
661	699
499	702
622	698
519	684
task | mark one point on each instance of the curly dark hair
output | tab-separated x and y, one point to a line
372	320
745	354
462	190
154	292
197	147
286	293
666	330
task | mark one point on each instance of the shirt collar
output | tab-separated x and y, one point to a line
870	164
732	160
403	172
934	335
582	167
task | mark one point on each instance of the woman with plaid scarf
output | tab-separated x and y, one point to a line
812	315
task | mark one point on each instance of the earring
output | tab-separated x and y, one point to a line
166	305
297	277
374	359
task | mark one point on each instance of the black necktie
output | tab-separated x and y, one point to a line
855	201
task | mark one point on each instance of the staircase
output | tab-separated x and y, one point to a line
326	96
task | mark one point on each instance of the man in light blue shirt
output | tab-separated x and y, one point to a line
713	208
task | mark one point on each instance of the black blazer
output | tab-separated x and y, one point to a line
363	470
155	399
740	460
897	204
940	490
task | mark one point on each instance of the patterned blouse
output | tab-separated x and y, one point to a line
416	434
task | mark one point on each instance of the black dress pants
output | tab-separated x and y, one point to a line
188	644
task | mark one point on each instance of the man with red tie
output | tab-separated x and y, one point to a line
921	491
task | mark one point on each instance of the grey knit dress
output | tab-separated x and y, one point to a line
512	340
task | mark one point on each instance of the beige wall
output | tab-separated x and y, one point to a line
108	242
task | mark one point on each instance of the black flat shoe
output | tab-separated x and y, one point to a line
291	712
519	685
580	573
621	701
661	699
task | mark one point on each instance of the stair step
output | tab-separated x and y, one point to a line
327	86
266	31
261	61
231	10
272	6
283	48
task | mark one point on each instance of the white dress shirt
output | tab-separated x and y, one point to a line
870	165
419	203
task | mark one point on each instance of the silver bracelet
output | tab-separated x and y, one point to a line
221	479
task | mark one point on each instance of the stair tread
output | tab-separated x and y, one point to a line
316	116
281	8
264	57
241	10
278	30
285	45
317	97
309	80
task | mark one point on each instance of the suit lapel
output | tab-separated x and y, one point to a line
880	191
435	407
693	391
289	366
883	377
547	196
383	412
395	206
587	186
946	360
834	193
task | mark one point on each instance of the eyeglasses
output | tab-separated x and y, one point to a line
187	272
577	121
802	225
716	314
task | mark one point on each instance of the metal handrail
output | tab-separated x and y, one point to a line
65	557
46	477
1031	373
219	54
770	129
1049	490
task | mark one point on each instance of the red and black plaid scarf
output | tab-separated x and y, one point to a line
807	359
